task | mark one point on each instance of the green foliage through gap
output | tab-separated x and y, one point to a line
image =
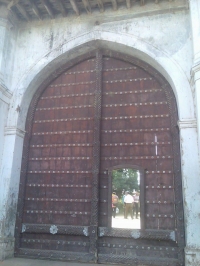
126	179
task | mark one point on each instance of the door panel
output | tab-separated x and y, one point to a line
101	112
136	131
58	189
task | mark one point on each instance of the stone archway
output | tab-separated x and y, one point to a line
26	88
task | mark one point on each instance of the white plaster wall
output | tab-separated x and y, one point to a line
8	36
156	39
162	32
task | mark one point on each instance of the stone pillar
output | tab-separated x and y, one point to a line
9	186
5	96
9	139
6	44
191	190
192	250
6	37
195	71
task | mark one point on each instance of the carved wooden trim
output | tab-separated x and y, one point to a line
61	229
58	255
137	233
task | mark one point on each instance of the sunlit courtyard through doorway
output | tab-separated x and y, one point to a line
120	222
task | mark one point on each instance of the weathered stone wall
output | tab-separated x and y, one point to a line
163	38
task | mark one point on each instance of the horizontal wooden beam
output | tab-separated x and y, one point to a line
63	229
101	6
128	4
114	4
74	6
62	8
87	6
48	8
4	2
12	3
23	11
35	9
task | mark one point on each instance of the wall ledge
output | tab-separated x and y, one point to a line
5	94
190	123
195	72
14	131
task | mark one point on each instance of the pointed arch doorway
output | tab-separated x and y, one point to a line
99	112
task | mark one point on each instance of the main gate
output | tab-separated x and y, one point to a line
98	113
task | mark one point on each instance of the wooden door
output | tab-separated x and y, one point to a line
97	113
138	130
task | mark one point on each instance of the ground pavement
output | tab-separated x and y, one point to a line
31	262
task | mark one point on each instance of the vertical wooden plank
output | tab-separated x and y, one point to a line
96	156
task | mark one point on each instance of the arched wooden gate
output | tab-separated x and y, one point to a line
99	111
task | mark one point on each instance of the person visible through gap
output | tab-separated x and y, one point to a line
115	200
136	203
128	201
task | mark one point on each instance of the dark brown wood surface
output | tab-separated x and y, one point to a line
104	112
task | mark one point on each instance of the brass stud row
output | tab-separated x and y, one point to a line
53	199
136	157
157	187
66	96
135	130
64	120
62	145
59	172
159	172
120	68
72	84
133	104
103	158
80	72
159	202
65	107
135	116
58	158
160	215
105	93
126	80
58	185
63	132
136	144
131	92
138	247
60	242
57	212
103	118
